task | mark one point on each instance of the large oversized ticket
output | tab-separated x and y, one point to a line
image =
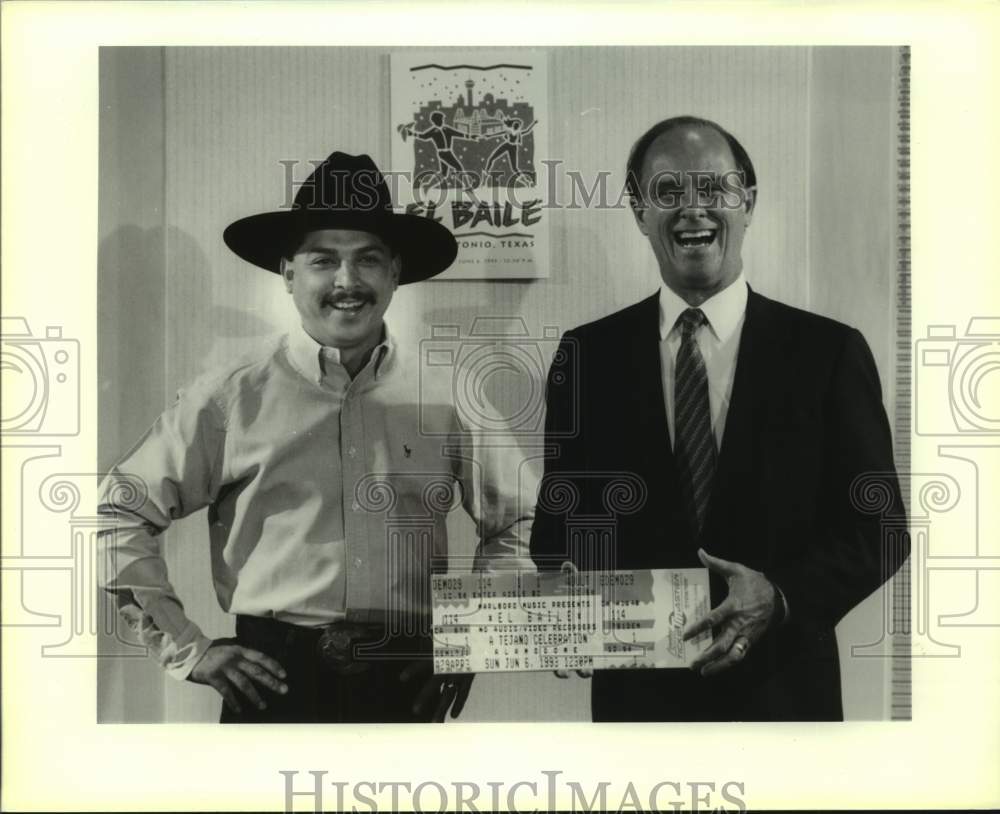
514	622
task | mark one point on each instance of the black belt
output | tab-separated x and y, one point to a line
345	648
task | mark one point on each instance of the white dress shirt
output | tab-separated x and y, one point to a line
719	343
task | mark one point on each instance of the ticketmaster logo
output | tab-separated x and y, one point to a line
549	794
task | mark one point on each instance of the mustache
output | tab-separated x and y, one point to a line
360	294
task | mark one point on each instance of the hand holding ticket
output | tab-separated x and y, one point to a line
511	622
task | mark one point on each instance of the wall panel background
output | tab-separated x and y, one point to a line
130	320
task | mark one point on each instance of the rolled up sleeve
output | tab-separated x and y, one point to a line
174	470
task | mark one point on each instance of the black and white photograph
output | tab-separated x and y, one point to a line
302	425
428	407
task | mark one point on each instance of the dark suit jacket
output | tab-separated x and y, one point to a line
805	426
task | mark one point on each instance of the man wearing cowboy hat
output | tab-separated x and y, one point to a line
327	481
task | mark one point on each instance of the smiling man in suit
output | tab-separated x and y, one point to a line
749	423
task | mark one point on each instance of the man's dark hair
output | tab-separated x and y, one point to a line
633	169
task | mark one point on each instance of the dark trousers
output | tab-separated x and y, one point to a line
318	693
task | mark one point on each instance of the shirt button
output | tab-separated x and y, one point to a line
355	505
357	562
352	451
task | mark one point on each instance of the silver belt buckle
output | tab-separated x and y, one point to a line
336	647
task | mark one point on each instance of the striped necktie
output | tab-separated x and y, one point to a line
694	443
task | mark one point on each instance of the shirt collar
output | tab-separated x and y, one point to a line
311	357
723	310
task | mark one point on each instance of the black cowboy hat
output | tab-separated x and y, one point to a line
344	192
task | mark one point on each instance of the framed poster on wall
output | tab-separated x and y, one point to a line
467	149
